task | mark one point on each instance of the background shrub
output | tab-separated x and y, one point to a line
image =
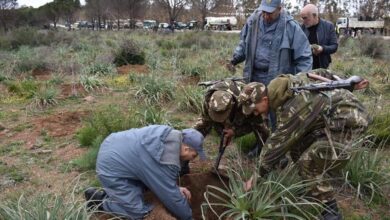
129	53
372	46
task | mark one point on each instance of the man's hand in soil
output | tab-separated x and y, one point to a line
228	135
185	192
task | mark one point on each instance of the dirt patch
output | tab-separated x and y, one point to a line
68	90
41	74
196	183
59	125
69	152
136	68
62	124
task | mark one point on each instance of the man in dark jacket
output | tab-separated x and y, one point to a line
321	34
131	161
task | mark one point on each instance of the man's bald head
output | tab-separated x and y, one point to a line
309	15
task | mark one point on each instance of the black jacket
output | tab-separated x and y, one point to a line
327	38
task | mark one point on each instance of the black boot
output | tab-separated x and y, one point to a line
331	211
94	198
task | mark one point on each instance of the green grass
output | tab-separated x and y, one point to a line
367	174
190	99
11	172
155	91
46	206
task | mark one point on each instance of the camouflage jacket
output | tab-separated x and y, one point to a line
240	123
306	113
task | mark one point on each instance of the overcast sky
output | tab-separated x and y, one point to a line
38	3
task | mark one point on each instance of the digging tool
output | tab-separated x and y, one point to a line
222	148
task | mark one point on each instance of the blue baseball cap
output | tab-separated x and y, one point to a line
270	5
194	139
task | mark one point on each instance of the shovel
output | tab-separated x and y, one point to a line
221	151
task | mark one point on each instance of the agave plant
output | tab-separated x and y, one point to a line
90	83
45	96
279	195
190	99
155	91
366	174
45	206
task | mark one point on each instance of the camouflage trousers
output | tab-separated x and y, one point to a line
321	160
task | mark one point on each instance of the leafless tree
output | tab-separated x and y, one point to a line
97	11
173	7
205	6
373	9
135	8
7	8
249	6
117	10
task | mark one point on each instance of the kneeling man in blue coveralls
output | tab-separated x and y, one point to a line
144	158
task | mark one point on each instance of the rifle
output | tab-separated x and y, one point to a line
212	82
325	86
222	148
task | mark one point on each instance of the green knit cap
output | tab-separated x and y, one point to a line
279	91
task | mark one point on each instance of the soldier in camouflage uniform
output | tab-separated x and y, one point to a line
307	122
222	111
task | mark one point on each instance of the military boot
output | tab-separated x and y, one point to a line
331	211
94	198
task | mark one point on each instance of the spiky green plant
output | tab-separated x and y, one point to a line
152	115
91	83
46	206
155	91
45	97
367	174
190	99
276	196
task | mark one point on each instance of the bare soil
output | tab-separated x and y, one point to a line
41	74
69	90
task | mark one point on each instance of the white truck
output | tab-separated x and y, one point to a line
363	26
220	23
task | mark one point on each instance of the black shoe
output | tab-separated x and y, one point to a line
94	198
331	211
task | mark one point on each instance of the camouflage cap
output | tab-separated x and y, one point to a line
220	106
250	95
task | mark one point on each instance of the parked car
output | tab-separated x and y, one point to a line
192	25
163	26
149	24
139	24
180	25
